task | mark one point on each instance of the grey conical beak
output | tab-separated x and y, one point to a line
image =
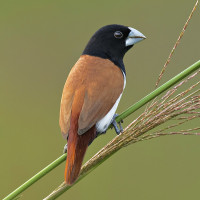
134	37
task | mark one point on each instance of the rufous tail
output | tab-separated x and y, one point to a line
76	148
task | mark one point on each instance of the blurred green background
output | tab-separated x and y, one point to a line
39	43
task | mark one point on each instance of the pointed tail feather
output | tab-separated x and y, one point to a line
76	148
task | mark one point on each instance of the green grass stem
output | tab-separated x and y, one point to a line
123	115
36	177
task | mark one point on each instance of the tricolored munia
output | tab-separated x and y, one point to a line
92	92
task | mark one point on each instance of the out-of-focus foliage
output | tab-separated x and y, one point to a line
39	43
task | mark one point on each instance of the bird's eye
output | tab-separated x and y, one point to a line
118	34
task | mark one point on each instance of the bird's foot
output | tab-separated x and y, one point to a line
65	149
114	123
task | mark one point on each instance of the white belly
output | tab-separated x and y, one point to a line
103	124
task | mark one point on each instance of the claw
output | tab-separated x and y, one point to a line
114	123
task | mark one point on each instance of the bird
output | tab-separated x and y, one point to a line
92	92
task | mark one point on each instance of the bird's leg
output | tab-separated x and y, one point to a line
65	149
114	123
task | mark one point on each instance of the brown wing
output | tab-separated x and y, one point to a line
95	84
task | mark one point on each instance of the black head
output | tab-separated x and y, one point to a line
112	42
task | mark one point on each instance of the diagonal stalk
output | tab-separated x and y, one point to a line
158	91
123	115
